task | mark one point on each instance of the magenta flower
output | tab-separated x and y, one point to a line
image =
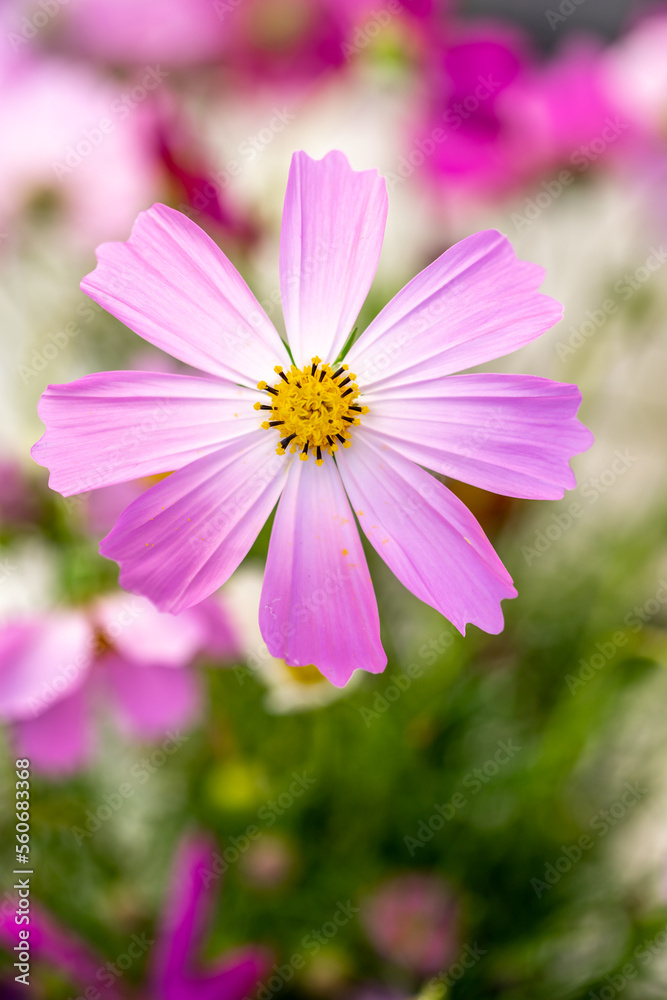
173	972
55	668
471	140
334	443
499	119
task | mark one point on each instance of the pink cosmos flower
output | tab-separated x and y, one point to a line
335	444
54	668
173	972
95	180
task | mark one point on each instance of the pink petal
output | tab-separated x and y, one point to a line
427	537
59	740
49	943
186	908
184	537
173	286
236	977
116	426
152	699
318	605
474	303
41	661
333	225
511	434
185	912
145	636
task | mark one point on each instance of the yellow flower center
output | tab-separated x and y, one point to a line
312	408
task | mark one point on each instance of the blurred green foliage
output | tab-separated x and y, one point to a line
377	763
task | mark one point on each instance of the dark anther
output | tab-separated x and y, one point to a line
340	438
286	441
357	408
276	423
274	392
336	374
284	377
344	382
322	374
319	454
350	420
346	393
305	449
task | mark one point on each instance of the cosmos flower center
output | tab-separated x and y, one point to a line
312	408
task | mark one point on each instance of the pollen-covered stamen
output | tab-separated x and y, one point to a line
315	413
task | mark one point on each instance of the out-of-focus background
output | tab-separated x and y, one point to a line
488	818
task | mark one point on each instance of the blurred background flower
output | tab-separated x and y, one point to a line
412	920
172	956
486	818
55	670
